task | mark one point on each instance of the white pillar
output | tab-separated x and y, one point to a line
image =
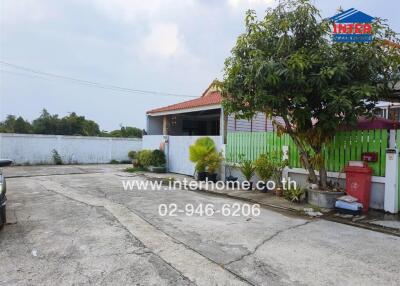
392	139
391	185
222	136
166	151
223	165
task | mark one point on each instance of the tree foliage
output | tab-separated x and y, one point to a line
72	124
287	65
126	131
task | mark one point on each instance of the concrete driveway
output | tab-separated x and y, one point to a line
74	225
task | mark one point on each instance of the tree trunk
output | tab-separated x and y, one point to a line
303	153
306	162
323	177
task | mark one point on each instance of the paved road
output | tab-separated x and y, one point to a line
78	226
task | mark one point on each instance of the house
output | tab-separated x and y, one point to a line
181	124
201	116
197	117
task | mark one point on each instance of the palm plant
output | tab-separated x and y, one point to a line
264	168
246	167
198	153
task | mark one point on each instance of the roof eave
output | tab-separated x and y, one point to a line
184	110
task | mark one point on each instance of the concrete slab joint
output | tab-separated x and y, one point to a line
205	272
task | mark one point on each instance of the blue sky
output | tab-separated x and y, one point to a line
173	46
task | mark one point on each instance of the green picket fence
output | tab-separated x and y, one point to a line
346	146
398	177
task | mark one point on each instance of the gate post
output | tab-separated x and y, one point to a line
391	182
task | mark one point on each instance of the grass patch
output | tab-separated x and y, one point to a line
134	169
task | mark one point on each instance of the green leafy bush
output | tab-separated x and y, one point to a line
213	161
132	155
113	161
199	151
145	158
277	165
246	167
158	158
56	157
294	195
263	167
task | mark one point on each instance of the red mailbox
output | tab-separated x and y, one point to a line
358	183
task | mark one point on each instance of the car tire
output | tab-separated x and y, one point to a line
3	217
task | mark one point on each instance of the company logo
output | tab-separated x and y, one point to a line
352	26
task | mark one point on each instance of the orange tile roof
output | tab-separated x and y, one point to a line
210	98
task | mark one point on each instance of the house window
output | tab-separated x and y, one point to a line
382	112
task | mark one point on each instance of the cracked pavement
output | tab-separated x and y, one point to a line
75	225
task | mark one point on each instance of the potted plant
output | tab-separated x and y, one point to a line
198	153
200	168
247	168
228	169
213	162
277	168
263	169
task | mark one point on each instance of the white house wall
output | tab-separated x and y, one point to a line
259	123
154	125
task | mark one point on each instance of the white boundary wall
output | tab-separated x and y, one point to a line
37	149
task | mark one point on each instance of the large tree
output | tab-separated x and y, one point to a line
287	65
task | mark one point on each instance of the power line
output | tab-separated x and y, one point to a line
86	82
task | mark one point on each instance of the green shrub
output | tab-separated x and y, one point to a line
132	155
213	161
113	161
263	167
199	151
158	158
246	167
145	158
56	157
294	195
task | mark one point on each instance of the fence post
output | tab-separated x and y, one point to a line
391	182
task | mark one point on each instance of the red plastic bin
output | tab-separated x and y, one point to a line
358	184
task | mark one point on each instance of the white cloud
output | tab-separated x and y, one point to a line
249	3
163	40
